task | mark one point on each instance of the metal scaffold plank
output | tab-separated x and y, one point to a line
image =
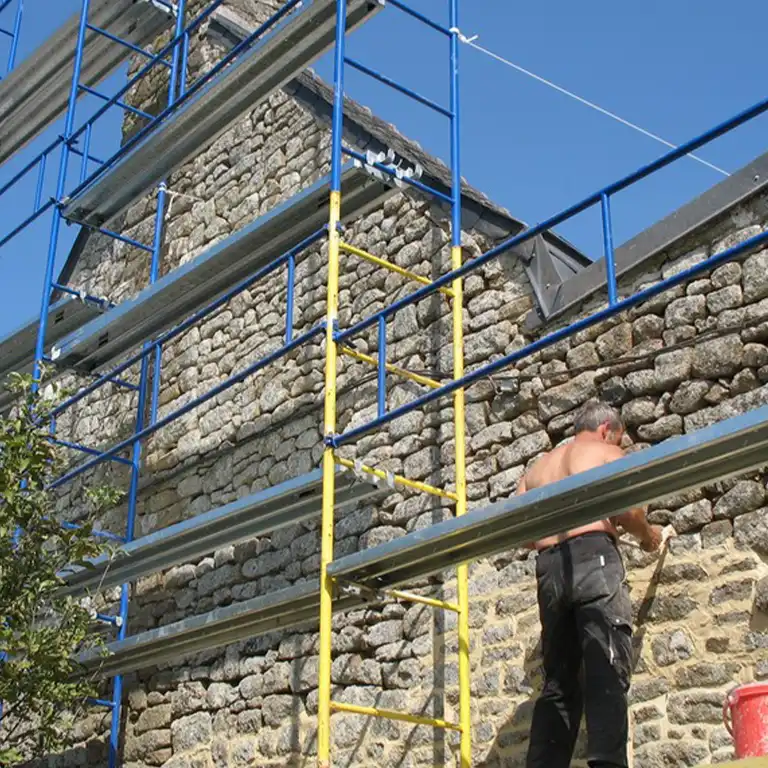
726	449
259	514
238	89
281	610
17	349
195	284
36	92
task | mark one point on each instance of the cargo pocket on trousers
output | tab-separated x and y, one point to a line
620	649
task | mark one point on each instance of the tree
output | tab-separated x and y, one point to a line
40	630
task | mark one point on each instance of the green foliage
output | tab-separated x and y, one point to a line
39	629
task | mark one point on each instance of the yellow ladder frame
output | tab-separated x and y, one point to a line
325	705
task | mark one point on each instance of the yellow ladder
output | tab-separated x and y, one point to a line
327	587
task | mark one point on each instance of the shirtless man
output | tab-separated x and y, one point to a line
585	610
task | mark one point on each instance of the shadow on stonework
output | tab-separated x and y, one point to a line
758	619
510	747
93	755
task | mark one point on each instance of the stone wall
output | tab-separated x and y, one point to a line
701	609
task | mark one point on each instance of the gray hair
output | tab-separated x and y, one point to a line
595	413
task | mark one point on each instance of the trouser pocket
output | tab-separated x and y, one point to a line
620	649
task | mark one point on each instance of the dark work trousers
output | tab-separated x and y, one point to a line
586	628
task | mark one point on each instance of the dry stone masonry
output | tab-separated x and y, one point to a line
686	359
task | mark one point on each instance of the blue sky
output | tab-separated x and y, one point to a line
675	68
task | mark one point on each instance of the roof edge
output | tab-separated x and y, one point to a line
703	210
366	131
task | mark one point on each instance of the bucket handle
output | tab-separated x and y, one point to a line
727	714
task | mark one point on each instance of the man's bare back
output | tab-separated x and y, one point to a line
562	462
589	449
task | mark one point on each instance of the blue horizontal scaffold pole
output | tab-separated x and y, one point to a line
752	244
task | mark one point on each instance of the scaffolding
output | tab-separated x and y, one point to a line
11	14
88	334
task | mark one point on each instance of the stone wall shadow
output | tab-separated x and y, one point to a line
509	748
94	754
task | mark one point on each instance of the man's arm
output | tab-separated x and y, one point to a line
634	521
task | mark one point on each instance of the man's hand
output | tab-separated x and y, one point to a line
653	540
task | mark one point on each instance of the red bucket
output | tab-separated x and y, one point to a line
745	714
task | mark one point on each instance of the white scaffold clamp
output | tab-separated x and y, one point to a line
360	473
362	591
407	173
462	37
390	159
117	621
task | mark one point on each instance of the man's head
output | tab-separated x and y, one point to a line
601	421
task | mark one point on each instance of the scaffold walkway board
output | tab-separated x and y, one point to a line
207	113
36	92
259	514
17	350
725	449
280	610
192	286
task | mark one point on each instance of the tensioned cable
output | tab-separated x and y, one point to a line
470	41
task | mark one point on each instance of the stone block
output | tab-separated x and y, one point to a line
755	276
642	383
661	429
728	297
673	368
751	530
278	708
615	342
646	690
668	607
755	355
692	516
695	707
639	411
352	669
647	327
685	311
566	397
676	572
671	647
745	496
584	355
385	632
716	534
718	357
680	754
494	434
191	731
523	449
727	274
732	591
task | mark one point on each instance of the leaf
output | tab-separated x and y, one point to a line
40	631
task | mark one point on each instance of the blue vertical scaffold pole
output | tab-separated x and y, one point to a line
175	88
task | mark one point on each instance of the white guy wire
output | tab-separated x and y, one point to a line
470	41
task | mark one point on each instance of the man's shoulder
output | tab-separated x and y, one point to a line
599	453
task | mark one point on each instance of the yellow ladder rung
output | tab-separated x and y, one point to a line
413	598
390	266
391	714
374	593
398	479
406	374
